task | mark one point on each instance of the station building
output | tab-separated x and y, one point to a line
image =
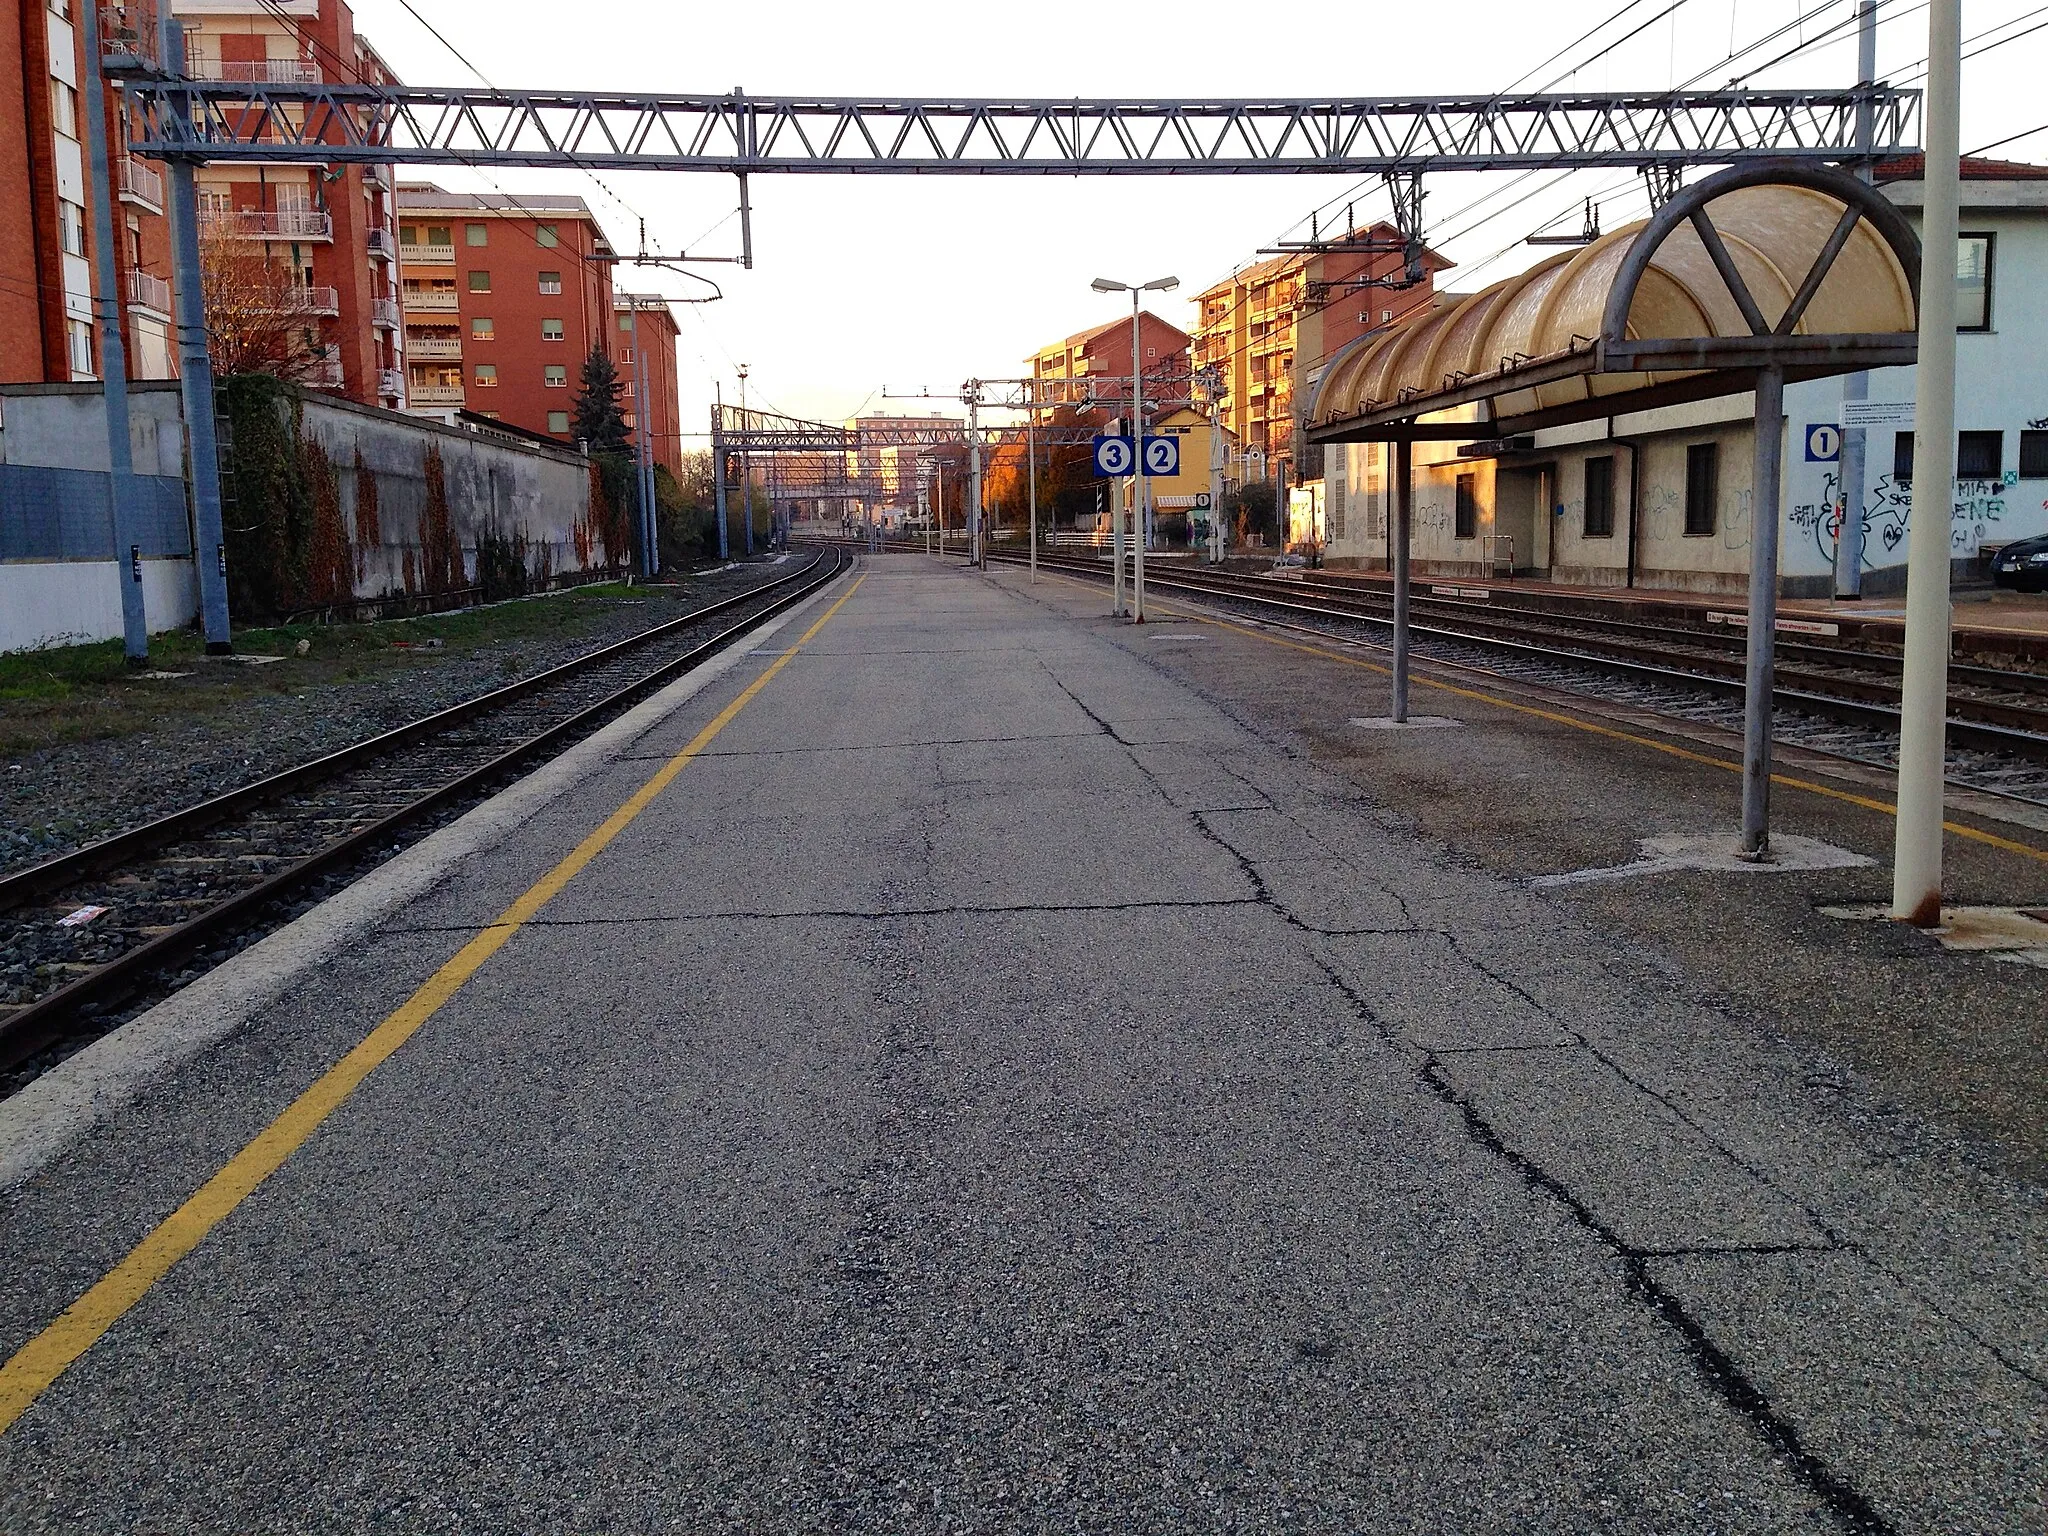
1661	498
323	235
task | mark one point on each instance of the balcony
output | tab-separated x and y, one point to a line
304	224
324	373
146	292
427	255
390	384
313	300
381	246
435	394
256	71
431	301
140	185
384	314
128	35
433	346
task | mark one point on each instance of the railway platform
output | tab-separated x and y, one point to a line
965	1064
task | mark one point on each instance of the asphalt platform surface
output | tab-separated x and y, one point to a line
1017	1079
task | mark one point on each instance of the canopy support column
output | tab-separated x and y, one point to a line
1404	508
1760	683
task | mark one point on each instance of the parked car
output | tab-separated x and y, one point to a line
2023	564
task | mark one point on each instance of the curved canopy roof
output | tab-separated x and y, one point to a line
1808	270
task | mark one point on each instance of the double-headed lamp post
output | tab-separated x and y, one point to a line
1138	488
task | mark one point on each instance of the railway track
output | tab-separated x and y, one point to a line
89	931
1835	699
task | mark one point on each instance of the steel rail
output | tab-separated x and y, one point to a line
2029	743
40	1023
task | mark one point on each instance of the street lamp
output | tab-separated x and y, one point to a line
746	466
1139	498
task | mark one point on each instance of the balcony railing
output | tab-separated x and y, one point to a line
267	223
324	374
433	346
427	255
146	292
384	314
313	300
256	71
390	384
139	184
129	31
432	301
435	394
381	245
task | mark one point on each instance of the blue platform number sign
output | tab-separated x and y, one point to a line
1823	442
1162	455
1113	457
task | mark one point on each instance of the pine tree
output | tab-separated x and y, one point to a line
599	421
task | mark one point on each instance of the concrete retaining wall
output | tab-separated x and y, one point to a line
70	595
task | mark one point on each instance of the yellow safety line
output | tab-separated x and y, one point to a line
50	1353
1989	839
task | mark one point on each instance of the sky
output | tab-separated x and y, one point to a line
868	289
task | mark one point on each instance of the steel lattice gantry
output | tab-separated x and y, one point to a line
418	125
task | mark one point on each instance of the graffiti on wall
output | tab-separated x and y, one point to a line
1980	508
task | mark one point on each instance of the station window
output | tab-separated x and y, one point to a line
1600	497
1980	455
544	235
486	375
476	234
479	282
2034	455
1702	488
1468	507
1902	458
1973	283
482	327
551	282
558	421
556	376
551	330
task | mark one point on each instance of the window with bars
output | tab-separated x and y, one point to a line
1980	455
1467	507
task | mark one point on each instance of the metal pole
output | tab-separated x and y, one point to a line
746	471
1141	512
1760	681
1404	506
1116	555
1856	386
195	388
973	472
718	465
1215	484
1031	482
113	357
643	447
1923	702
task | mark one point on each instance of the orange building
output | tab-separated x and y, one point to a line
504	298
1267	329
1064	368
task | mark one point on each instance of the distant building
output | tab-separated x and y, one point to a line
327	230
1273	324
504	298
894	466
1063	371
645	322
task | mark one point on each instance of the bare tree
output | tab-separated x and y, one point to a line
259	319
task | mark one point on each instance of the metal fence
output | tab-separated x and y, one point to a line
68	514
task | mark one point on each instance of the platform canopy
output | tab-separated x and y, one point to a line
1803	268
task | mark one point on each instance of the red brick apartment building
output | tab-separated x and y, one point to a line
1268	329
646	321
329	229
504	298
1065	366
